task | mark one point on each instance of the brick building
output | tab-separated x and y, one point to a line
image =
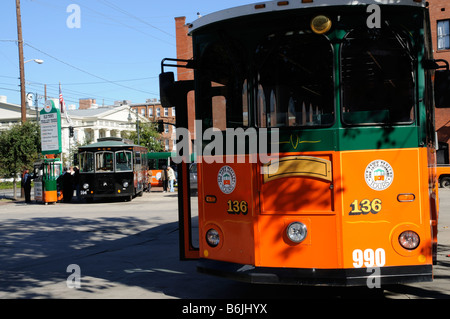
153	110
86	103
185	52
440	33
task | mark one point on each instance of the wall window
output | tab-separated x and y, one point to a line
443	34
158	112
173	111
150	112
143	112
166	111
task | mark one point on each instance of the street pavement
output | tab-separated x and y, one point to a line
130	250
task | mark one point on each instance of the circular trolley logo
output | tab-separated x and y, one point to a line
379	175
226	179
48	106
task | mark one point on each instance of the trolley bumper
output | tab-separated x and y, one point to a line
314	276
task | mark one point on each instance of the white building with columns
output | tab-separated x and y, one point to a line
89	124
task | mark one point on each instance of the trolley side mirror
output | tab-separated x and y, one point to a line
166	89
442	88
174	93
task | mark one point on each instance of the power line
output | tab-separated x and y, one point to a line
115	81
126	25
53	89
70	93
89	73
115	7
9	89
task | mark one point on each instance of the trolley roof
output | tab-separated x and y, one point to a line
106	144
272	6
109	142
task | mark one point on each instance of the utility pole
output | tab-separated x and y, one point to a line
21	64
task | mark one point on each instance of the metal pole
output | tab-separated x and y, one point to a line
137	126
21	64
36	106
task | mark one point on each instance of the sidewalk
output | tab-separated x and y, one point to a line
9	192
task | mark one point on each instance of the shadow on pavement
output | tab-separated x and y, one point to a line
133	252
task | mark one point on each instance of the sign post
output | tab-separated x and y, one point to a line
50	128
49	169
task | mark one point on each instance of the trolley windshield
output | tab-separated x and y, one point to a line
377	77
124	161
278	73
86	162
104	162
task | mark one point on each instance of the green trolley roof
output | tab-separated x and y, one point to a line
109	142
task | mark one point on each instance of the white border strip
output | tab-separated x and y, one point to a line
272	6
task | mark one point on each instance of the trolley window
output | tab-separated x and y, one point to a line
104	162
223	86
86	162
377	77
124	161
295	81
137	157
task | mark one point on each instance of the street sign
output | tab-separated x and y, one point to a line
50	128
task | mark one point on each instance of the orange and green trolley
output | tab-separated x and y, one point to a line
351	192
156	162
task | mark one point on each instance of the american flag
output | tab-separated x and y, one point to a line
62	104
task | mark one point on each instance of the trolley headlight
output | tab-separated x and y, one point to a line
125	184
85	185
409	240
320	24
296	232
212	237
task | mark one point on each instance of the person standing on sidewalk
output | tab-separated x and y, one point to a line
67	179
164	178
26	184
171	177
76	182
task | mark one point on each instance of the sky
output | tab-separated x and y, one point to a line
108	50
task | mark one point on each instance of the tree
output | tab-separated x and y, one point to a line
20	147
148	137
